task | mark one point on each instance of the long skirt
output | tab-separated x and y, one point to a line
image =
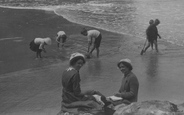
34	47
82	107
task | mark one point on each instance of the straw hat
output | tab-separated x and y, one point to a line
48	41
76	55
125	60
128	61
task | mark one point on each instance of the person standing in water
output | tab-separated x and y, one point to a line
152	33
148	37
94	39
38	45
61	38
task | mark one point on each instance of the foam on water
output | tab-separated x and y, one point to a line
2	39
93	15
125	17
130	18
46	8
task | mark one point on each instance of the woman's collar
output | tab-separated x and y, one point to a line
127	73
70	68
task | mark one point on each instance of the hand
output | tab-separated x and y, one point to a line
117	94
90	97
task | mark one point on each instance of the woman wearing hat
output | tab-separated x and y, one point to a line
37	45
129	85
72	96
152	32
61	38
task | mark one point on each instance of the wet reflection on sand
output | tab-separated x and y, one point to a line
94	67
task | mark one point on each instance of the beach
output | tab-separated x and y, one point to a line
33	87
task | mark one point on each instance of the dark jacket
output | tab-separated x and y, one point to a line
71	86
129	87
152	32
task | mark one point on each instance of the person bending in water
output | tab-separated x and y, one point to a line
94	38
37	45
61	38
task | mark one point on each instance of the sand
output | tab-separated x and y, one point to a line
32	87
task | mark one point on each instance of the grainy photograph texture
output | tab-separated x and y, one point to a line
91	57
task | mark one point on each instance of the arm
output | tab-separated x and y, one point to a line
42	47
159	36
57	40
76	86
89	43
134	85
157	33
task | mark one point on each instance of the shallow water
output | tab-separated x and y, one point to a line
160	76
129	17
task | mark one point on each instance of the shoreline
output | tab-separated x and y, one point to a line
33	26
36	90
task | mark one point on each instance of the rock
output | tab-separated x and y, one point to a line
152	107
181	107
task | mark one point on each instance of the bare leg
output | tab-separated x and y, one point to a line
62	45
151	45
148	45
92	50
156	45
40	54
58	45
37	53
97	52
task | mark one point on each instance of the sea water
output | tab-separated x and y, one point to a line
129	17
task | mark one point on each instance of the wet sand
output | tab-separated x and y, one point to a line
32	87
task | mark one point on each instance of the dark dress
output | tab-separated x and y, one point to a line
34	47
73	99
62	38
71	86
71	92
152	33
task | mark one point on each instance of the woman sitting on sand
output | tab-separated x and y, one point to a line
72	96
37	45
129	85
